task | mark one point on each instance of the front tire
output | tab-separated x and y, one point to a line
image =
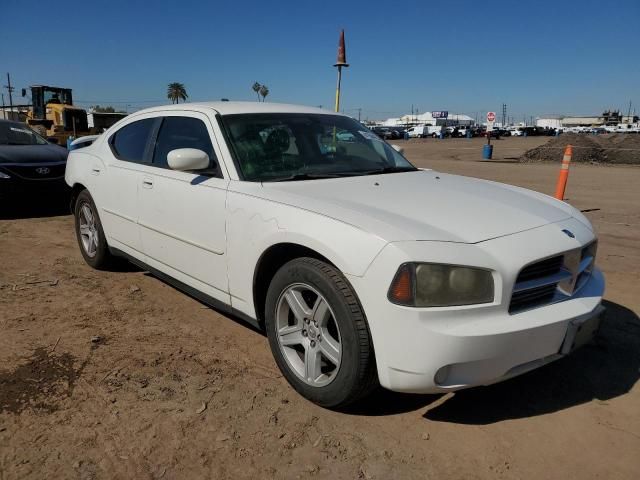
318	333
89	232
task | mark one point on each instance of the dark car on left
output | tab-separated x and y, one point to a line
31	168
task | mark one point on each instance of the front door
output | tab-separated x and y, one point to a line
182	214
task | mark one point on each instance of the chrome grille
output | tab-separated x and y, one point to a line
532	298
550	266
553	279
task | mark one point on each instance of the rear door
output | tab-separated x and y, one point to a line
130	150
182	214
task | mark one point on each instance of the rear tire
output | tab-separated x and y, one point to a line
318	333
89	232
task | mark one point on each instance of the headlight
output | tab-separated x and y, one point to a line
4	175
436	285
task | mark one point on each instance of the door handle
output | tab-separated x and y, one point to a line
95	171
147	182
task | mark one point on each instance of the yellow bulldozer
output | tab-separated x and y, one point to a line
53	115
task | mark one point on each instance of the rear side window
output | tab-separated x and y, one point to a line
182	132
131	142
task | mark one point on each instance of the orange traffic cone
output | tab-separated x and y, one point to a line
564	173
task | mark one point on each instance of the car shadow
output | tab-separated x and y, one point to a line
601	371
231	315
384	402
37	208
504	160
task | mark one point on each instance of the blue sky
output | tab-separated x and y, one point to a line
575	57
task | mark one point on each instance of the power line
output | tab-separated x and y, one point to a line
121	101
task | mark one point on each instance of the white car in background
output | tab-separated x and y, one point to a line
418	131
362	269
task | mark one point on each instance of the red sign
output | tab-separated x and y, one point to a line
491	116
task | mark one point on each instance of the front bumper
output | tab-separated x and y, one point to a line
427	350
17	189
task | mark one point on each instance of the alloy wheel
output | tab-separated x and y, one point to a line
88	230
308	334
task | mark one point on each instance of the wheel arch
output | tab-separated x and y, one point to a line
75	191
270	261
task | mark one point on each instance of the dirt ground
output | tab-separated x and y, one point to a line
118	375
623	148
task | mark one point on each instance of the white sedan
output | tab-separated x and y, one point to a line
361	268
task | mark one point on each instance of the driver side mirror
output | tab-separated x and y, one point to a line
187	159
398	149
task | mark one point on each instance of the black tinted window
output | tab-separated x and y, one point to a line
130	142
182	132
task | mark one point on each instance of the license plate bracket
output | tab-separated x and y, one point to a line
580	331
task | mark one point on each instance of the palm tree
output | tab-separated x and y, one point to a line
256	88
264	91
176	92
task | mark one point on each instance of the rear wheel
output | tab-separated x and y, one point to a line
91	239
318	333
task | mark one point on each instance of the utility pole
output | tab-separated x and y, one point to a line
359	112
10	88
504	114
629	113
4	115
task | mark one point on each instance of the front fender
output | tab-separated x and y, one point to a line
256	224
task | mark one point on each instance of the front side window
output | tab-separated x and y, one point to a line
289	146
131	142
182	132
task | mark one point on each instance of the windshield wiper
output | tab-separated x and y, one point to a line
383	170
305	176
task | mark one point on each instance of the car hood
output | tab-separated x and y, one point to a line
32	153
423	205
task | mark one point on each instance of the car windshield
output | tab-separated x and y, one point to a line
289	146
14	133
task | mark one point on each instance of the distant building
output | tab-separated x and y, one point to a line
550	121
427	119
101	121
609	117
7	113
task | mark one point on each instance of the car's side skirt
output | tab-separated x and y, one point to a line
192	292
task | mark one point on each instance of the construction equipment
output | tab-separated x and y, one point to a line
53	115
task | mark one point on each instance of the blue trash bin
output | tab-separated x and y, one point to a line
487	152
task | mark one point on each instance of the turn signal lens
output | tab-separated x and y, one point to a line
401	291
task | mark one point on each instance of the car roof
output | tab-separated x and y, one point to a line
230	108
